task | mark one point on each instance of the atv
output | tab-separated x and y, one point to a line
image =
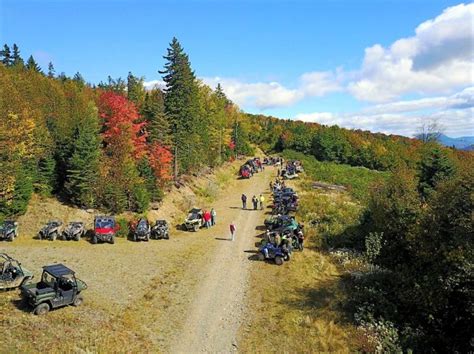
50	231
278	253
12	274
142	230
277	221
194	221
74	231
8	230
105	229
58	287
160	230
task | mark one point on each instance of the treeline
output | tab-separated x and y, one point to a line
112	146
332	143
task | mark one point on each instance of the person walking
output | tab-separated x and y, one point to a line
244	201
213	217
255	202
262	200
232	230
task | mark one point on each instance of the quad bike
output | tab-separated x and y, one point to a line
278	221
278	253
74	231
105	229
12	274
160	230
8	230
194	221
142	230
50	231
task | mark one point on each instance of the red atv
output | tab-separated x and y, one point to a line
105	229
244	172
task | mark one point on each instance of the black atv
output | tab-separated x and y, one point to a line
142	230
74	231
8	230
160	230
50	231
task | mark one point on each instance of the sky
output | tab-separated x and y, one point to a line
382	65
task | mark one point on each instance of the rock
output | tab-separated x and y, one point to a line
155	205
90	211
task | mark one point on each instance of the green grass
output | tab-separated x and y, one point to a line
356	179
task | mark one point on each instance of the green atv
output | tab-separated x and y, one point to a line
58	287
12	274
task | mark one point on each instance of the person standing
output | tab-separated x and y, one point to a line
232	230
207	219
213	217
255	202
262	200
244	201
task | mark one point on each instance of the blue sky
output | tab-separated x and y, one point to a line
328	61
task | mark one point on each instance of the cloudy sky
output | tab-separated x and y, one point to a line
381	65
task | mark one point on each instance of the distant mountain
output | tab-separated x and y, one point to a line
462	143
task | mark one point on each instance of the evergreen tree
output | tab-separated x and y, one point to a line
135	90
83	166
153	112
16	58
182	106
31	64
51	71
79	79
115	85
5	54
45	182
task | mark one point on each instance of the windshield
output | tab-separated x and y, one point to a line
104	223
48	279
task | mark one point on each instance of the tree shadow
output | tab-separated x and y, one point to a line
261	228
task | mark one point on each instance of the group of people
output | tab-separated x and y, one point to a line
278	185
209	217
255	201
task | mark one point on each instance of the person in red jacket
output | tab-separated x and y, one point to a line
207	218
232	230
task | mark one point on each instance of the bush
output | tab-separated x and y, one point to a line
123	230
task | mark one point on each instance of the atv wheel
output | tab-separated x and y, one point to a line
278	260
40	237
54	235
78	300
112	240
261	257
196	228
77	237
166	236
94	239
287	257
147	238
41	309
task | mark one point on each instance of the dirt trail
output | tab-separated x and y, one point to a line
218	308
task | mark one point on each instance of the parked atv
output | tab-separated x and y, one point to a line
270	251
74	231
58	287
194	221
50	231
278	221
160	230
12	274
105	229
8	230
142	230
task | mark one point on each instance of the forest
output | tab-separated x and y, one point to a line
117	146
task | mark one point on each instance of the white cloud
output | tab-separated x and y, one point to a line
154	84
454	113
437	60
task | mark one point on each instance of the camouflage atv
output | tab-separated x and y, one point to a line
58	287
74	231
12	274
8	230
194	221
50	231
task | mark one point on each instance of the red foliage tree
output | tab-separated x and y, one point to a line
160	158
121	122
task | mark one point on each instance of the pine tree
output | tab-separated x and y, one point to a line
135	90
182	106
31	64
51	70
79	79
16	58
83	166
6	55
153	112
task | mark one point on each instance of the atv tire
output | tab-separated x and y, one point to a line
196	228
147	238
78	300
287	257
112	240
166	236
261	257
278	260
41	309
94	239
54	236
77	237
